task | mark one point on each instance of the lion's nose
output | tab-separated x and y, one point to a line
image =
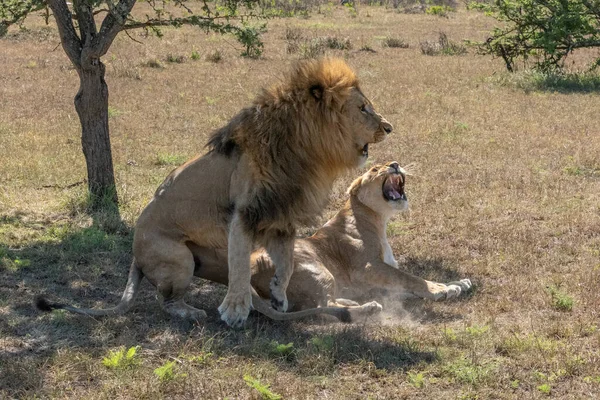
387	127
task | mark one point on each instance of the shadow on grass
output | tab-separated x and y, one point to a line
87	267
566	83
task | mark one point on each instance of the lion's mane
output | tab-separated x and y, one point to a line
295	139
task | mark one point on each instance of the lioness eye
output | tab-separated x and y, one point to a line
363	108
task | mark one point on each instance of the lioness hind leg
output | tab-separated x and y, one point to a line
170	266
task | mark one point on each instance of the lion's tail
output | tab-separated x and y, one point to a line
264	308
131	289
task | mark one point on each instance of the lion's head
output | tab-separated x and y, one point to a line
333	116
381	188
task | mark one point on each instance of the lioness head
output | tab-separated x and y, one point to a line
381	188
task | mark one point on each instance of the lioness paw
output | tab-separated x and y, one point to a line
372	307
454	289
465	284
235	309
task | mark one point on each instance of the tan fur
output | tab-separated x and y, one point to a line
268	170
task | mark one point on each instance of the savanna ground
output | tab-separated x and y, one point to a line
506	194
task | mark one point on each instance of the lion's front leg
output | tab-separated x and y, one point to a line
238	301
281	250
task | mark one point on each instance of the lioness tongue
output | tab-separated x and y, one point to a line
393	194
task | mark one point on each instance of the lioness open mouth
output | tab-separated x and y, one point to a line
393	188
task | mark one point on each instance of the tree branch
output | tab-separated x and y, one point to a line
113	23
68	36
85	18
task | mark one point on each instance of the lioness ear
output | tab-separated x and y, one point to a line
317	91
354	186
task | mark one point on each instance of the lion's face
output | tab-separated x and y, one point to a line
366	125
382	188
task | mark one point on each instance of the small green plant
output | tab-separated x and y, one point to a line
560	300
214	56
166	372
464	370
351	8
417	380
201	359
261	388
173	58
312	49
367	48
440	11
515	384
394	42
545	389
114	112
336	43
323	343
153	63
195	55
443	46
592	379
122	359
281	350
169	159
476	330
249	36
449	335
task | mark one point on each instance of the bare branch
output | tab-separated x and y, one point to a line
68	36
113	23
85	18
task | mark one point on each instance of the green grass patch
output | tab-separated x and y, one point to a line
561	301
261	388
169	159
167	372
122	359
545	389
466	371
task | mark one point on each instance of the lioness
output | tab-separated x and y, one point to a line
349	257
268	170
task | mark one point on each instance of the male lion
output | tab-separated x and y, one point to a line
268	170
349	257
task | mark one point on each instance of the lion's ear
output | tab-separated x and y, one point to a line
317	91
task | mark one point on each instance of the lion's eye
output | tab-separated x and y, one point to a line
363	108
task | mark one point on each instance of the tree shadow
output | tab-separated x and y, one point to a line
566	83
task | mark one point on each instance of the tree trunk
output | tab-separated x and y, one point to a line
91	103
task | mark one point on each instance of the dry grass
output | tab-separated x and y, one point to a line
507	195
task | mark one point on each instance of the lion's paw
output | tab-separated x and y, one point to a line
235	309
279	299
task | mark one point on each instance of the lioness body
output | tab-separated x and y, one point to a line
349	259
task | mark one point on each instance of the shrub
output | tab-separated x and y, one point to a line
443	46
